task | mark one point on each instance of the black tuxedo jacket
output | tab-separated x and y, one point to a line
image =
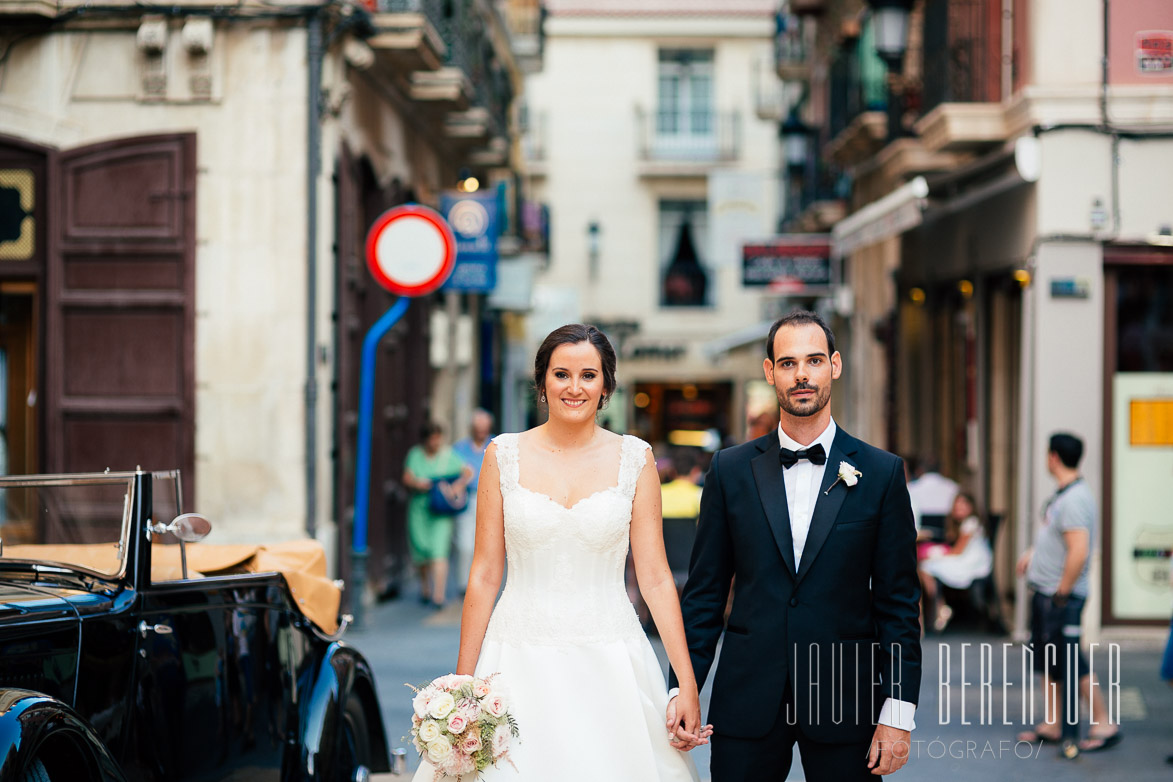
841	627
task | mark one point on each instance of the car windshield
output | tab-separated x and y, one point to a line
80	521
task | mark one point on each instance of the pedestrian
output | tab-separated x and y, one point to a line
438	480
958	564
817	530
1056	569
680	497
472	450
932	496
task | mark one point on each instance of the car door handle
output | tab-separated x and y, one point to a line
145	628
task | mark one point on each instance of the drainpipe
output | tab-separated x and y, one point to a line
314	55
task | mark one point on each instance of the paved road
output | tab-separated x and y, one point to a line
407	643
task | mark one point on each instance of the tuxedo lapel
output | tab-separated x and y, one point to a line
767	473
829	501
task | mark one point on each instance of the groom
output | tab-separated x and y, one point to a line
814	530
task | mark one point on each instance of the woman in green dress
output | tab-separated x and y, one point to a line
429	532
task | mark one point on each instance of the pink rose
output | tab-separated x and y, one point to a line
480	688
494	705
470	744
457	724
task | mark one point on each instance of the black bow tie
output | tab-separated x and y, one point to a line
815	454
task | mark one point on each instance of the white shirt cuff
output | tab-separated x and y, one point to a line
898	714
672	693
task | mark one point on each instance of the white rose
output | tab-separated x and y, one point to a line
441	706
439	751
850	479
420	702
501	738
429	731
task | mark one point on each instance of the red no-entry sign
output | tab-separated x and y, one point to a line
411	250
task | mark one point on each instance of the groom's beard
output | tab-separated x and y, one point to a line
805	406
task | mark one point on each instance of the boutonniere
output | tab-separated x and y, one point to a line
847	474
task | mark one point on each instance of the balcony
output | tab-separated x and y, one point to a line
407	34
791	48
961	99
858	102
688	144
525	19
533	142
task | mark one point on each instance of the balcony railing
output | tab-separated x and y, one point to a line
432	10
858	84
525	19
692	137
962	40
791	51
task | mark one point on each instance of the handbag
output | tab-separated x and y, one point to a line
445	499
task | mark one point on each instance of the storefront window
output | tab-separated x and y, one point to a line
1144	311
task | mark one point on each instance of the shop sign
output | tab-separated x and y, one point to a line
1154	51
792	263
474	218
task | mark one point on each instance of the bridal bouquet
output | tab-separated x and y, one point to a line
461	725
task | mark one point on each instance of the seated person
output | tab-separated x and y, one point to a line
958	565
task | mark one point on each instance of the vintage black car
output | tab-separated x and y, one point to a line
129	654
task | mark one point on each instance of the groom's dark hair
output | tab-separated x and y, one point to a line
800	318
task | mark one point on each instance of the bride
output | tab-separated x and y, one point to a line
560	503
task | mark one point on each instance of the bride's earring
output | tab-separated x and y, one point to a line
542	397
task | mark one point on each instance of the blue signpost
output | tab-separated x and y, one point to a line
410	251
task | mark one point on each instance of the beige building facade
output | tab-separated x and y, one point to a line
195	186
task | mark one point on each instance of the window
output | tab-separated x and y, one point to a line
685	94
684	235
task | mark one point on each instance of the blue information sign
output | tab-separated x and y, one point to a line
475	221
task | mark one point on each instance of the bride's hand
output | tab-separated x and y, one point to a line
685	708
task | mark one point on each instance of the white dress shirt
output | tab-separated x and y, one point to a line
803	480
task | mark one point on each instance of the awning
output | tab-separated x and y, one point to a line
889	216
904	207
737	339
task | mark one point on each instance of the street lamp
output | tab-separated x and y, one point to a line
890	26
795	142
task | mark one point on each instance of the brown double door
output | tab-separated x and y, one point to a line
97	290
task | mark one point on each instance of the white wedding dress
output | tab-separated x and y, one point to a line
581	677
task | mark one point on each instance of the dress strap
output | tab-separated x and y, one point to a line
507	460
631	463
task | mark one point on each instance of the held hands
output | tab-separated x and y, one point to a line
889	749
683	722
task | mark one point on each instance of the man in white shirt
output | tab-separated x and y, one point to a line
817	529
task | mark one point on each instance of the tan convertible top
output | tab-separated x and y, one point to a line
301	562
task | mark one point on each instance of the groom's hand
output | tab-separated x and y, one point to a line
889	750
684	729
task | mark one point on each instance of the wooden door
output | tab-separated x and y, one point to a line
120	331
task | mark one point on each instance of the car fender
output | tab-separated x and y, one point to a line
32	723
341	674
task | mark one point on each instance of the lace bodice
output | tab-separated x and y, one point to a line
564	582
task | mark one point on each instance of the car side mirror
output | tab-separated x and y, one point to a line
190	527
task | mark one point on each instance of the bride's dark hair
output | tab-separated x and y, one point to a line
572	334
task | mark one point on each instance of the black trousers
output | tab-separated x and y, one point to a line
768	759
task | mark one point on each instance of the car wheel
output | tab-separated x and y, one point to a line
36	772
355	753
